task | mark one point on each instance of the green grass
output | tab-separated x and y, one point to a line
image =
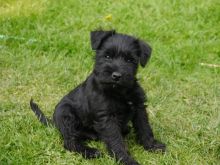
45	51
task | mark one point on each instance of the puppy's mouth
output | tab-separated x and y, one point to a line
112	84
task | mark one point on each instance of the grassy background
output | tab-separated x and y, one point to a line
45	51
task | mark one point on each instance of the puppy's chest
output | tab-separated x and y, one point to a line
120	109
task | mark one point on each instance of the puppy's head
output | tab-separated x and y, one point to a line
118	57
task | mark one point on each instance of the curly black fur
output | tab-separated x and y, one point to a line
102	106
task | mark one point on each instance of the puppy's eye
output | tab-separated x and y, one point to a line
108	57
129	60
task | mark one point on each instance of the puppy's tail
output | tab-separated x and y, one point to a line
40	115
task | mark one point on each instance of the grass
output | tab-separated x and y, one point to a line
45	51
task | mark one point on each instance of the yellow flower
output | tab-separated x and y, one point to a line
108	17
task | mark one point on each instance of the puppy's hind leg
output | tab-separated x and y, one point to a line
70	127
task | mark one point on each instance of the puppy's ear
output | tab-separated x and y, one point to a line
97	38
145	53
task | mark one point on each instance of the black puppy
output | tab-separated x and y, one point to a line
102	106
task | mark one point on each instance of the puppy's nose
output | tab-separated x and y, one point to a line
116	76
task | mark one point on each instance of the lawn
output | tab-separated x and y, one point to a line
45	52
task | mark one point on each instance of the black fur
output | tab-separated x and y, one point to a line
102	106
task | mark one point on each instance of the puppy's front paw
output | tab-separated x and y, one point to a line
155	146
